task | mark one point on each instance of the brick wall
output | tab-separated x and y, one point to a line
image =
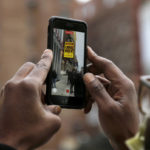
13	47
111	35
23	33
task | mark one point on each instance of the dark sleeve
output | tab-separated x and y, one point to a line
6	147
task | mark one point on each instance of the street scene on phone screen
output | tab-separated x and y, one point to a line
68	63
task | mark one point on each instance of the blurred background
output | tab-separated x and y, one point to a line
117	29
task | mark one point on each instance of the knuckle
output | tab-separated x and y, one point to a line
109	110
24	83
29	64
96	86
56	122
108	63
95	56
46	56
42	65
2	91
129	84
27	85
10	85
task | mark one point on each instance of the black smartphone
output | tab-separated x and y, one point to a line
64	84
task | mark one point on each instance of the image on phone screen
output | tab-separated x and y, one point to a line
68	63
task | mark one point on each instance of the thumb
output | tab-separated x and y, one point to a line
96	90
54	109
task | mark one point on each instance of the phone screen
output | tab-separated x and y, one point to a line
68	63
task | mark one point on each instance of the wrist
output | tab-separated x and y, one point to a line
4	146
119	145
12	142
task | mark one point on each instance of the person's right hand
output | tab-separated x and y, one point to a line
118	111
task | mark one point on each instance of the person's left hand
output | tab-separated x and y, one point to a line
25	122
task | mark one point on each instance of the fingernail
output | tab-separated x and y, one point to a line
47	51
88	65
88	77
57	110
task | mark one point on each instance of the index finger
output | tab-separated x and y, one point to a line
107	67
41	69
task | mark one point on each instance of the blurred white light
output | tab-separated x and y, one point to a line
112	3
83	1
144	31
109	3
122	1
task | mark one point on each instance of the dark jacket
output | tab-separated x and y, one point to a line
6	147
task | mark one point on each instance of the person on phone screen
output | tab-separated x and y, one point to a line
54	78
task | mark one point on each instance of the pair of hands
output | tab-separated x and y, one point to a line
26	122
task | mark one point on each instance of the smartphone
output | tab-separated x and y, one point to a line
64	84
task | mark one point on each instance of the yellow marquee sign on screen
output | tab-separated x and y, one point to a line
69	49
